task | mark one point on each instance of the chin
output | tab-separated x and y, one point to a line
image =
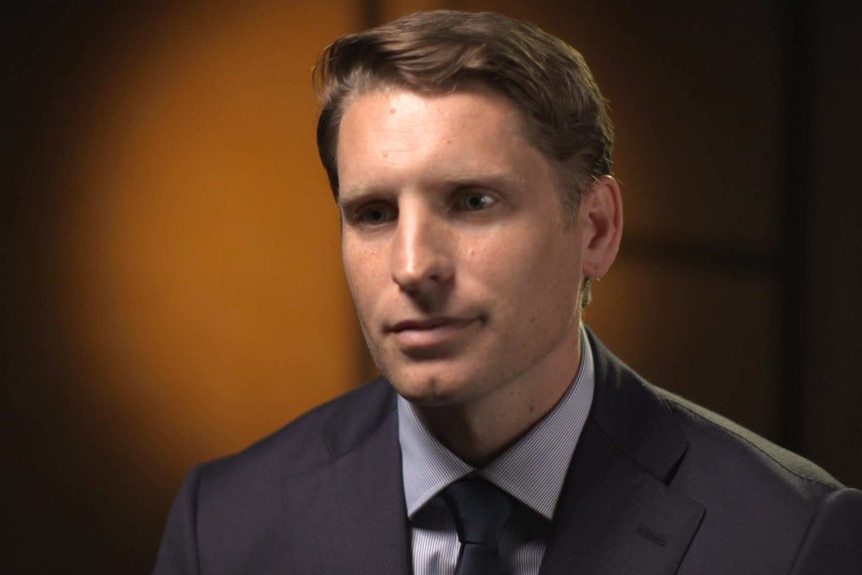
428	390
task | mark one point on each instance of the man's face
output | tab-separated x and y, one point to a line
464	276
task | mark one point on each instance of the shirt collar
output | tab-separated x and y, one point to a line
532	470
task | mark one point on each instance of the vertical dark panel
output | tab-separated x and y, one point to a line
800	23
833	394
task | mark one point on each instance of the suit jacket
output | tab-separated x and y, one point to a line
657	486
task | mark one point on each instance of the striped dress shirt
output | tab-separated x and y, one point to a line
531	471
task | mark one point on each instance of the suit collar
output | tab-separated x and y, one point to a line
634	417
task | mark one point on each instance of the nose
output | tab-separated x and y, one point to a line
421	257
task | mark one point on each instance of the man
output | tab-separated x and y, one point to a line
470	157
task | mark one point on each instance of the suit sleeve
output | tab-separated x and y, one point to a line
178	553
833	544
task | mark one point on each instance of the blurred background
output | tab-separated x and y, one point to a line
171	285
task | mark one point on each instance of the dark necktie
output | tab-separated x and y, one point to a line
480	510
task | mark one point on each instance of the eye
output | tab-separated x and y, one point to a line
374	214
475	201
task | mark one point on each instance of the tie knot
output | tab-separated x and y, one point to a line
480	509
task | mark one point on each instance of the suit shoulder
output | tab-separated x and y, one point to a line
228	508
747	451
766	508
315	437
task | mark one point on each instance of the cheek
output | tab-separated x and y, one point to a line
543	290
527	263
352	271
364	274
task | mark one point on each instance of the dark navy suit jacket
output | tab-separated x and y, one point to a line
657	486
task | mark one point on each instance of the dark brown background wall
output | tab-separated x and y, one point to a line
171	287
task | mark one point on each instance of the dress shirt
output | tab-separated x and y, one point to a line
532	471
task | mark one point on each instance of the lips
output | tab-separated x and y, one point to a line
428	324
430	333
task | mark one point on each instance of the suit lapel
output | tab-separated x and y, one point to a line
613	518
616	514
348	515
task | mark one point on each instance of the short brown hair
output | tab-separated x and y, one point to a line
547	80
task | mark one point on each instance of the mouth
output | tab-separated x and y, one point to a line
424	334
428	324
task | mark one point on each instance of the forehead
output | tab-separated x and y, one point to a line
473	130
390	108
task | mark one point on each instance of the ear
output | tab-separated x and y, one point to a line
601	219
